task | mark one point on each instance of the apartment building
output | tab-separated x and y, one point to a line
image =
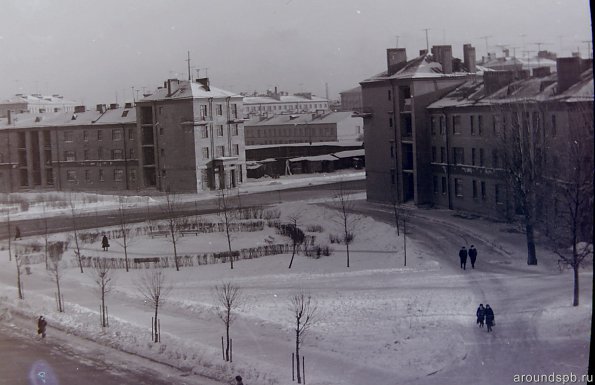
191	137
35	104
277	103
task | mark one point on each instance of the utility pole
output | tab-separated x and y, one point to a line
188	60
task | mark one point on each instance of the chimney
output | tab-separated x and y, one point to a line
541	72
9	117
205	83
469	57
495	80
128	105
443	55
114	106
172	86
100	108
395	59
423	52
79	109
569	72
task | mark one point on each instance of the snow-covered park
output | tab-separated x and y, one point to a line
377	321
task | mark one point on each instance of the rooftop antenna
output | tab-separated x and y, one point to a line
397	37
188	60
427	40
326	89
133	93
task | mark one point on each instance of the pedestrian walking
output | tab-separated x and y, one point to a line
239	380
490	319
105	243
463	258
472	256
41	326
480	313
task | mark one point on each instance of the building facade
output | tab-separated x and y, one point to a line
191	137
277	103
35	104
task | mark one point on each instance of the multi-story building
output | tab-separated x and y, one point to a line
80	150
396	125
277	103
191	137
351	100
35	103
304	128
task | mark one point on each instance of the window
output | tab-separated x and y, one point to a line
443	185
85	154
479	125
390	95
69	156
554	126
474	183
118	175
99	135
71	175
117	154
116	134
132	154
219	109
498	194
472	124
392	176
87	176
433	124
68	136
234	130
435	184
392	149
85	135
99	153
234	110
219	130
495	159
161	130
133	176
235	149
220	151
205	153
442	155
101	176
481	158
203	111
458	187
390	122
433	153
456	124
204	132
442	125
483	190
494	124
131	134
458	154
473	156
204	177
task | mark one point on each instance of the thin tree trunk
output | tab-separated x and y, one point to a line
292	255
227	337
531	255
297	352
156	331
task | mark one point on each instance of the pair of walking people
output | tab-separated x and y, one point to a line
485	314
472	253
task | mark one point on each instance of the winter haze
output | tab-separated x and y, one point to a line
95	52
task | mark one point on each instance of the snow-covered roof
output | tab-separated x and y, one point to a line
282	99
354	90
185	89
50	119
350	153
314	158
37	99
314	144
293	119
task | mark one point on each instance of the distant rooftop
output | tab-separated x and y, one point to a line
185	89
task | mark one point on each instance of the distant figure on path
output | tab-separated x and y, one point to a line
489	317
463	258
239	380
105	243
41	325
472	256
17	233
480	313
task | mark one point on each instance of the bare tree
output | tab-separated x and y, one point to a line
227	211
125	228
45	236
171	208
18	259
304	311
228	298
56	268
519	142
75	232
103	275
346	217
154	287
296	235
573	188
396	207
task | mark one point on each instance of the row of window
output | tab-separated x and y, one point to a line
458	156
478	189
116	154
117	175
220	151
284	107
303	131
116	134
218	131
476	123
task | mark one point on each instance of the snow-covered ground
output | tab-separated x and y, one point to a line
378	322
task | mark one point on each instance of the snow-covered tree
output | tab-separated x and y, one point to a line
56	268
103	275
172	208
75	231
228	298
346	217
154	286
304	311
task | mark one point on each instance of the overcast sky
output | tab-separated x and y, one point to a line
96	51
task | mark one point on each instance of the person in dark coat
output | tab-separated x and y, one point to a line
41	326
463	258
104	243
480	313
490	319
472	256
239	380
